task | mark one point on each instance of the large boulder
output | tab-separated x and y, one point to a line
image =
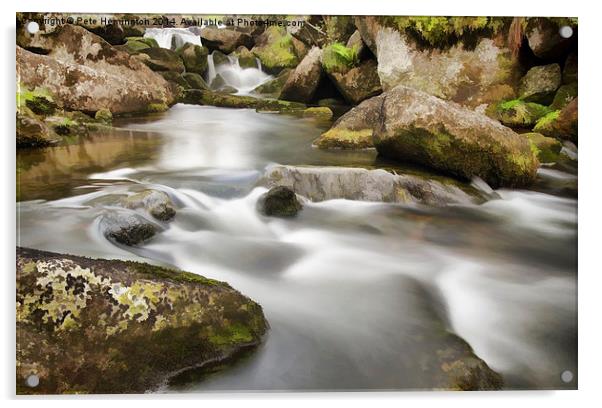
470	74
540	84
194	58
354	129
421	128
359	83
328	183
275	49
301	85
86	73
279	201
225	40
109	326
162	59
156	203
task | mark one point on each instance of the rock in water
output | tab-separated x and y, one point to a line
156	203
105	77
420	128
328	183
279	202
108	326
540	84
127	228
301	85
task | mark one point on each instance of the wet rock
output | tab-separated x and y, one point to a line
303	82
359	83
564	95
273	88
354	129
194	58
562	124
545	40
156	203
202	97
321	112
195	81
32	132
225	40
127	228
548	148
275	49
279	202
162	59
327	183
246	59
453	139
227	89
109	326
540	83
518	113
105	77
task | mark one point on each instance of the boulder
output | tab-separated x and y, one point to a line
448	137
540	83
548	148
301	85
156	203
195	81
356	42
219	58
104	116
545	40
560	124
517	113
136	44
320	112
359	83
85	73
273	87
329	183
162	59
246	59
310	33
275	49
127	228
564	95
354	129
225	40
99	326
279	202
32	132
194	58
458	72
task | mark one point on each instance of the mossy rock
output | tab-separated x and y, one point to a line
246	59
176	78
136	44
561	124
195	81
38	100
156	107
280	201
109	326
273	87
65	126
564	95
276	51
547	148
518	113
219	58
194	57
540	84
210	98
162	59
33	132
320	112
104	116
151	42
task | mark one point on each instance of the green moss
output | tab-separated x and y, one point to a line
319	112
547	120
547	149
104	115
153	271
279	52
156	107
39	100
232	334
337	138
337	57
518	113
564	95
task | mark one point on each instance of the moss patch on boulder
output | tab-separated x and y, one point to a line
547	148
275	50
518	113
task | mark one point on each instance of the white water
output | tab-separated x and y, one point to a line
243	79
165	37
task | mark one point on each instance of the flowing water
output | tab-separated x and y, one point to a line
244	80
173	38
357	294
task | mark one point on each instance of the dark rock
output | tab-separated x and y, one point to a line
564	95
279	202
127	228
560	124
195	81
219	58
109	326
301	85
162	59
225	40
540	83
202	97
570	70
545	40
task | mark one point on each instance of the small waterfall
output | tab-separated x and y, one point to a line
244	80
173	38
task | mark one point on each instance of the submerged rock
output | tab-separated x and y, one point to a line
302	83
328	183
156	203
450	138
109	326
127	228
280	201
540	84
85	73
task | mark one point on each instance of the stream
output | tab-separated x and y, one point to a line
356	293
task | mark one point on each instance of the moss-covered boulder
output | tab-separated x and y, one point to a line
225	40
107	326
279	201
540	84
548	148
194	57
354	129
156	203
448	137
136	44
162	59
302	84
246	59
195	81
273	87
564	95
320	112
518	113
104	116
275	49
359	83
561	124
